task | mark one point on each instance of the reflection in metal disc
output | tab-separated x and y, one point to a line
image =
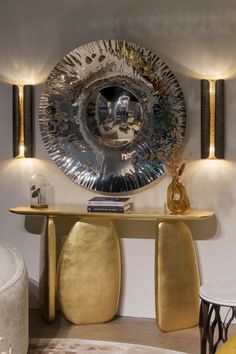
114	116
110	113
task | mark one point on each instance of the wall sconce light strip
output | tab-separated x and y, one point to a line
219	120
212	119
23	117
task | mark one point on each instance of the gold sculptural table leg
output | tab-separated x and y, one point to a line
48	273
177	277
89	272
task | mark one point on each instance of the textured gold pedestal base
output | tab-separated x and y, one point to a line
177	277
89	273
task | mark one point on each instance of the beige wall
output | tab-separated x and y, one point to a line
196	39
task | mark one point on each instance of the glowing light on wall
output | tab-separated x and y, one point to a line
23	117
212	119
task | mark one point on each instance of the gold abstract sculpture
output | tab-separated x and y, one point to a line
177	199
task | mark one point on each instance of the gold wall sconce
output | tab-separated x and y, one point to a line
212	119
23	117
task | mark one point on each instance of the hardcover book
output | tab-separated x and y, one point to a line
108	209
109	201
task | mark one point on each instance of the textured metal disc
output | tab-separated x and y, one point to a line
110	114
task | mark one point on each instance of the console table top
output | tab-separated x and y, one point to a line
133	214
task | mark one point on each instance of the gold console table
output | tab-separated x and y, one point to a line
176	268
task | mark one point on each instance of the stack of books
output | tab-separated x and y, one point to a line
109	204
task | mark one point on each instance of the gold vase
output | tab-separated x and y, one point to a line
177	199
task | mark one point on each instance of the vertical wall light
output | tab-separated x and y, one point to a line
212	119
23	117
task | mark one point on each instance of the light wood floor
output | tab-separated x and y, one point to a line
121	329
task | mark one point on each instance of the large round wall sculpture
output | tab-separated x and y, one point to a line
110	113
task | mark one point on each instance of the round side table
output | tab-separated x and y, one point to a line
213	324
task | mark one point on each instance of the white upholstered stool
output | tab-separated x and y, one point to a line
13	300
212	323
